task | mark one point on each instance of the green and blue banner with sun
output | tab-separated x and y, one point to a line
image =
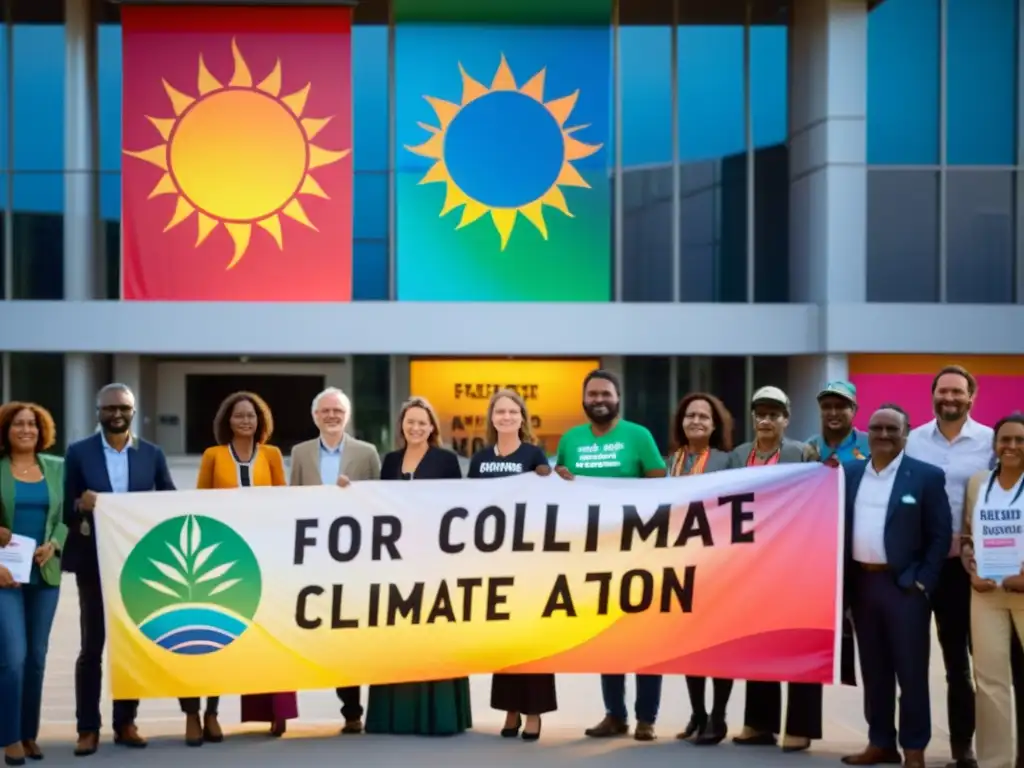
503	160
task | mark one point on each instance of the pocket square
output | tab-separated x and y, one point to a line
908	499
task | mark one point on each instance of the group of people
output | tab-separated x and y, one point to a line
910	499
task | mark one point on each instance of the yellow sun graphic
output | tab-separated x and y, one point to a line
504	150
238	155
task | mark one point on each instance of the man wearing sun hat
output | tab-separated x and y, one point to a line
839	441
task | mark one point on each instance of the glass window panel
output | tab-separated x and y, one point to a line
646	71
647	234
903	236
370	96
769	104
110	231
729	384
38	86
981	85
646	62
903	83
4	80
39	378
4	180
371	389
38	258
712	144
108	76
370	270
771	224
370	205
647	399
979	237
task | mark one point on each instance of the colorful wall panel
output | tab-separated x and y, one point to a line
907	380
503	156
237	176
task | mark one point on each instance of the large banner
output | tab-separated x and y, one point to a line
237	176
733	574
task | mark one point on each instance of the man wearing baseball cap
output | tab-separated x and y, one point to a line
762	714
838	441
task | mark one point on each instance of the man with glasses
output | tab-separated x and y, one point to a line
110	461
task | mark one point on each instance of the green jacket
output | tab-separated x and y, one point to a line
56	531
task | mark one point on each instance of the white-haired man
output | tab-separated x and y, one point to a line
336	458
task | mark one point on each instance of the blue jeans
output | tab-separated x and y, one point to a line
648	697
26	616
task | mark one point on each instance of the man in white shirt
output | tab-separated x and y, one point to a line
898	527
960	447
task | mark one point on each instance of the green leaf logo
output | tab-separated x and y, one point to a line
191	585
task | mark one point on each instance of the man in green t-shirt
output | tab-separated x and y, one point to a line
608	446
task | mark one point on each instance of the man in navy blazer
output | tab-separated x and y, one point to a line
110	461
898	529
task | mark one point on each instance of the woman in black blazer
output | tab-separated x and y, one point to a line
439	707
419	455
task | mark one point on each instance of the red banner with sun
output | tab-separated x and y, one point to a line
237	168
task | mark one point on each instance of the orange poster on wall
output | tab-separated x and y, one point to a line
237	174
460	391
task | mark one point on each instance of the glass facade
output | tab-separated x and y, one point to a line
701	181
943	151
697	159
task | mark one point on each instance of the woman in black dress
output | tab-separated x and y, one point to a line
510	451
435	707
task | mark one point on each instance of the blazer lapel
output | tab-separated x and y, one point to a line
135	479
6	494
900	486
346	457
99	455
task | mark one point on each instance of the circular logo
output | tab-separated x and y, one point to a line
191	585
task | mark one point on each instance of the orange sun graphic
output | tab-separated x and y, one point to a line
238	155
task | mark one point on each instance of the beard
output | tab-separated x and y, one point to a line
116	429
603	413
951	412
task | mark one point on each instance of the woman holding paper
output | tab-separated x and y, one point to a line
511	451
702	441
31	516
997	609
438	707
240	459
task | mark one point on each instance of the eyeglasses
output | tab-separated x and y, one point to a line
117	408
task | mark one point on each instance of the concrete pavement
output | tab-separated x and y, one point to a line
314	737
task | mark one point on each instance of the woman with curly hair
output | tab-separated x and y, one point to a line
701	442
241	458
32	506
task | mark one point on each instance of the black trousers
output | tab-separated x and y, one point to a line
351	709
763	709
89	667
191	706
951	604
722	690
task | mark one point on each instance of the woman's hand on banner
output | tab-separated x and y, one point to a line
343	482
6	579
543	470
564	473
5	536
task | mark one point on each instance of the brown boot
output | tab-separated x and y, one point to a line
353	726
32	750
211	729
644	731
129	736
88	743
913	758
873	755
610	726
14	754
193	731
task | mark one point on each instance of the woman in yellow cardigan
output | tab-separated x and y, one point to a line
241	458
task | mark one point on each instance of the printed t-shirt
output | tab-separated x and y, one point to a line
627	450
